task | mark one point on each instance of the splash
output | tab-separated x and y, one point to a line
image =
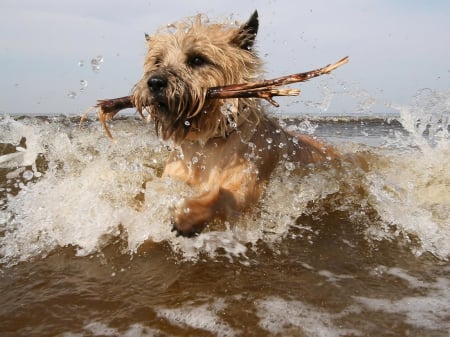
71	187
410	190
428	119
13	132
89	192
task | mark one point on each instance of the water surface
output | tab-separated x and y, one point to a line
359	247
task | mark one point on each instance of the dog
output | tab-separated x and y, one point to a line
226	150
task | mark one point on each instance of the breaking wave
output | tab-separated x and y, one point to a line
65	186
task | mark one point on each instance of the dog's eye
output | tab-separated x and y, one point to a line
196	61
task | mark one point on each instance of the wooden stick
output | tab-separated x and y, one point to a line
216	92
108	108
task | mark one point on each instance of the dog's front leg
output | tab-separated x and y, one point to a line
230	191
195	213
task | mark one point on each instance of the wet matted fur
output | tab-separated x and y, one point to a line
225	149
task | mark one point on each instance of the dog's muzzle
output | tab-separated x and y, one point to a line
157	86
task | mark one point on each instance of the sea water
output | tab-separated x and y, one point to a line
359	247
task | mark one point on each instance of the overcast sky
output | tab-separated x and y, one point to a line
396	48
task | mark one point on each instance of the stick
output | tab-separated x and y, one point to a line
228	90
108	108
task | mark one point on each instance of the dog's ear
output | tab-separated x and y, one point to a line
245	36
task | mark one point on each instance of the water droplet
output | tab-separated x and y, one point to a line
28	175
72	94
187	123
95	66
136	167
194	160
171	28
269	140
289	165
281	145
187	210
227	109
81	63
96	63
83	84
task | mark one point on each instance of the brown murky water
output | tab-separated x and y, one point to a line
346	250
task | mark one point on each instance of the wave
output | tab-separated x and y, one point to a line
65	186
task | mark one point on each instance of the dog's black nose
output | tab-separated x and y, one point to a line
156	83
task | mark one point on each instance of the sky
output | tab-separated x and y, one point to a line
396	49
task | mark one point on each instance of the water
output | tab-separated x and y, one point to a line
359	248
96	63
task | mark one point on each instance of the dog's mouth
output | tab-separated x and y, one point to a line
175	113
168	123
160	105
166	109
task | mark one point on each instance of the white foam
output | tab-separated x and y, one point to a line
100	329
87	192
202	316
210	242
413	281
427	119
87	196
411	193
332	277
282	317
12	132
409	186
429	311
96	328
47	215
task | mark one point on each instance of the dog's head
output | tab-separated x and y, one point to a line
184	60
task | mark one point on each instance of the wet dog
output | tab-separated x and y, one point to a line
225	149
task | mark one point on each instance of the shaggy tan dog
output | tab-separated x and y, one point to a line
225	149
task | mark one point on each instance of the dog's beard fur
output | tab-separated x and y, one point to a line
190	59
176	109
